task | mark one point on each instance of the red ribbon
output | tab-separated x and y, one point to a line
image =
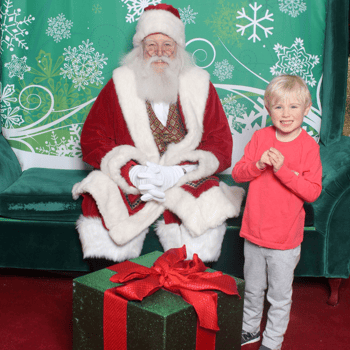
173	273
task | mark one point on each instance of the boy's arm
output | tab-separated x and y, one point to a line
307	185
246	169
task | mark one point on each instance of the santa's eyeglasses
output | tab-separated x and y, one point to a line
153	48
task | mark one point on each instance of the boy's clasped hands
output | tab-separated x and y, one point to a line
272	157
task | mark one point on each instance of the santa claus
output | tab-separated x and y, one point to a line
156	135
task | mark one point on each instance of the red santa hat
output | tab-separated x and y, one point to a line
161	18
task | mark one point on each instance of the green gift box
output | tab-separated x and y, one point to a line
161	321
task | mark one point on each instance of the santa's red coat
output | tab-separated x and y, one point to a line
117	132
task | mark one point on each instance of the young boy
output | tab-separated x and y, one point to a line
282	164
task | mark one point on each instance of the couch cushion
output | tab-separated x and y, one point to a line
43	194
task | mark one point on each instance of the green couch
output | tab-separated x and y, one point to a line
37	223
38	214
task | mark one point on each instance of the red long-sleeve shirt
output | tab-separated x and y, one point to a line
274	215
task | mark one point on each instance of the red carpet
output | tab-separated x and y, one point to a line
36	312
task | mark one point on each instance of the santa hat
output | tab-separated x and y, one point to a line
161	18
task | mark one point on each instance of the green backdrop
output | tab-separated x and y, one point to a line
57	55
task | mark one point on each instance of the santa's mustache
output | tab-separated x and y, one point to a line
165	59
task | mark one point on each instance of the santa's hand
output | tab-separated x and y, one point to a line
134	175
153	195
163	177
152	175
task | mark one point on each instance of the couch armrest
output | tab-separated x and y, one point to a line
10	170
332	208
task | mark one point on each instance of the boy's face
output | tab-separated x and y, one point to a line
287	116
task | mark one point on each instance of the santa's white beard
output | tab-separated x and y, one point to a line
157	85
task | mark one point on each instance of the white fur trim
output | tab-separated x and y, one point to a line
207	246
207	211
169	235
122	227
235	194
193	93
115	159
159	21
96	242
135	112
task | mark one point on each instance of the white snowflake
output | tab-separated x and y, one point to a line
136	8
5	95
59	27
83	65
223	70
234	110
63	147
294	60
293	7
232	107
17	66
187	15
254	22
11	27
11	118
7	114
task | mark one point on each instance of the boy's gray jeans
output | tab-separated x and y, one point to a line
273	270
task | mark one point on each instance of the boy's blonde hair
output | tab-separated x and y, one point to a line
280	87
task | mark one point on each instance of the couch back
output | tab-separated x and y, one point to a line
57	56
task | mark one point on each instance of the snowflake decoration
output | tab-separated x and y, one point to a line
293	7
11	27
63	147
254	22
17	66
5	95
257	117
223	70
136	8
187	15
234	110
11	118
6	111
294	60
97	8
59	27
83	65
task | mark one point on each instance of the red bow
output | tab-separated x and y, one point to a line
184	277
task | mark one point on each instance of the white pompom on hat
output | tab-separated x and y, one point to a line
161	18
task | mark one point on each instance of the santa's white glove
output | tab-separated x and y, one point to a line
153	195
160	177
146	186
134	172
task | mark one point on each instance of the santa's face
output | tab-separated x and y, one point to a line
159	46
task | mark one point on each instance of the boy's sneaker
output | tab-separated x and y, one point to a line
249	338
